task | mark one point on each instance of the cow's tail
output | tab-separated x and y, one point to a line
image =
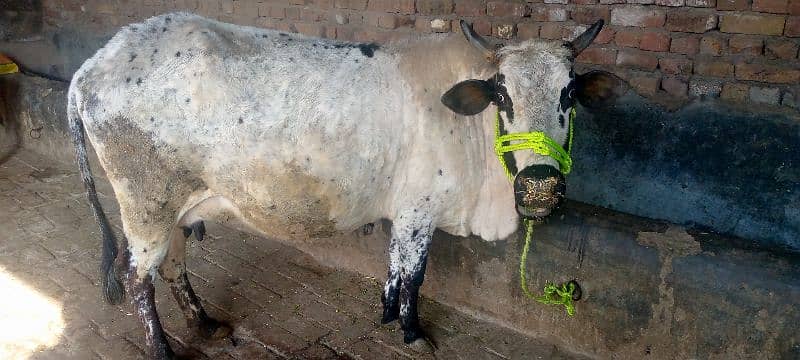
112	287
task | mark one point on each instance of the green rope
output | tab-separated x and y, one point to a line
553	295
541	144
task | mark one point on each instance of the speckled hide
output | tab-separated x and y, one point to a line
290	136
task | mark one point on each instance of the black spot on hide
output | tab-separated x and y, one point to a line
155	51
283	34
133	56
240	120
440	172
368	50
314	45
561	120
178	54
427	198
127	80
168	19
264	36
415	232
152	119
144	249
188	100
163	29
138	81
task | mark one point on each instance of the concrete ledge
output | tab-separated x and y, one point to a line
650	288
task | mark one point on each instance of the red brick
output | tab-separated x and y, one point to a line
674	86
767	73
645	85
293	13
628	38
549	13
552	31
637	60
639	16
388	21
696	21
345	33
712	45
771	6
324	4
310	29
793	26
527	31
605	36
675	66
688	45
713	68
763	24
275	12
307	14
735	92
746	45
701	3
599	56
504	31
393	6
733	5
589	15
506	9
482	27
781	49
653	41
794	7
673	3
470	8
434	7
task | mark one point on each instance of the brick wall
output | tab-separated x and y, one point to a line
739	50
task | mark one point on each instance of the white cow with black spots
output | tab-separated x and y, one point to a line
196	120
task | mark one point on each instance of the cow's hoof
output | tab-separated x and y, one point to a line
214	330
422	345
390	315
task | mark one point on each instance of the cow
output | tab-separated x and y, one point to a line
197	120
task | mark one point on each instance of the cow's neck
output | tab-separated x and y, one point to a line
456	151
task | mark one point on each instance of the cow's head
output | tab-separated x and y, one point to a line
534	89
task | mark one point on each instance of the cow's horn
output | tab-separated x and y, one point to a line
477	41
583	40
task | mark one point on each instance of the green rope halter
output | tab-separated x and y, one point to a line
541	144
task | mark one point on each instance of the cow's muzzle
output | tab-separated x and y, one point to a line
538	190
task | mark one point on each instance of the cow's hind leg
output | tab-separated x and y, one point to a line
173	271
139	283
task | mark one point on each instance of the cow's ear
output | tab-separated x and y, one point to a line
599	88
468	97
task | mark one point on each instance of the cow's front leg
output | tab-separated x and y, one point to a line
391	291
412	237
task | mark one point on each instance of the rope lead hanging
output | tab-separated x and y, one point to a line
563	294
537	141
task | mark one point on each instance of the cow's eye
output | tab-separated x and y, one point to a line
571	93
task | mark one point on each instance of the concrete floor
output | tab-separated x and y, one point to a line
281	303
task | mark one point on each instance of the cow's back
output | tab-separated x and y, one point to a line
279	123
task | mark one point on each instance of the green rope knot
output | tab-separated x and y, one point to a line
563	294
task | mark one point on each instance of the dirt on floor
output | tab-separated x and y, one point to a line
281	303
